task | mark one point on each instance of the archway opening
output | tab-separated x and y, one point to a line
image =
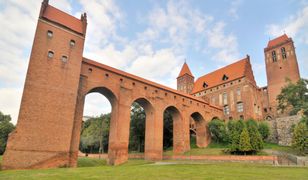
173	130
141	112
97	115
200	136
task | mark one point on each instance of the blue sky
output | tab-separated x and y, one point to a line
152	38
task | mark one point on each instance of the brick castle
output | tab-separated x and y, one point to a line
234	88
47	133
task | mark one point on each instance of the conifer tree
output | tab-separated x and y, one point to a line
244	144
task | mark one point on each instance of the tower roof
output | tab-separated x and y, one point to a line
57	16
281	39
225	74
185	70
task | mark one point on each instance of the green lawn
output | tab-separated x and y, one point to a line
140	169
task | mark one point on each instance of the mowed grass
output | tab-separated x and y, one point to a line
140	169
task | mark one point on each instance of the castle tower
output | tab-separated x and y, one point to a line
281	64
185	80
42	137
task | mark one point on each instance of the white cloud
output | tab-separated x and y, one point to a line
233	11
225	44
10	101
295	26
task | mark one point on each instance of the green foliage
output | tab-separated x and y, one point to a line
244	144
294	97
264	130
6	127
218	131
168	131
94	134
235	129
137	128
300	138
254	135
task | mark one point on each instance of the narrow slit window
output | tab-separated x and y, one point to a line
274	58
283	53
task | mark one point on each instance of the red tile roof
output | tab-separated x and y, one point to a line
232	71
277	40
185	70
55	15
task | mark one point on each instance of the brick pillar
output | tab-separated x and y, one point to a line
75	141
201	133
119	131
178	141
186	131
154	134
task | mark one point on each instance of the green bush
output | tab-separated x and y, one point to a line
255	136
218	131
244	145
264	130
300	138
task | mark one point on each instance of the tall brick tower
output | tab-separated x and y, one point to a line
281	64
43	134
185	80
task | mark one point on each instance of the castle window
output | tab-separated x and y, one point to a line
238	91
205	85
72	43
49	34
226	110
64	59
241	117
283	53
50	54
225	77
225	98
274	58
240	107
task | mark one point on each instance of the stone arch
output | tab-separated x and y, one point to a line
178	129
215	117
202	134
149	127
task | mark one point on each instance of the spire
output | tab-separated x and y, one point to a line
185	70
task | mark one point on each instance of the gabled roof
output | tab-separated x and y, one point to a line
185	70
226	74
278	40
55	15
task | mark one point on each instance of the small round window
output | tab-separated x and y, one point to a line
50	54
49	34
64	59
72	43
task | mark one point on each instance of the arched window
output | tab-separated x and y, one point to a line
72	43
49	34
274	58
64	59
50	54
283	53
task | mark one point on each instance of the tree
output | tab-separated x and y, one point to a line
244	144
264	130
300	138
137	128
294	97
218	131
235	129
168	130
6	127
254	135
95	134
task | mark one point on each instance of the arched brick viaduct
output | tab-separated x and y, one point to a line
50	117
